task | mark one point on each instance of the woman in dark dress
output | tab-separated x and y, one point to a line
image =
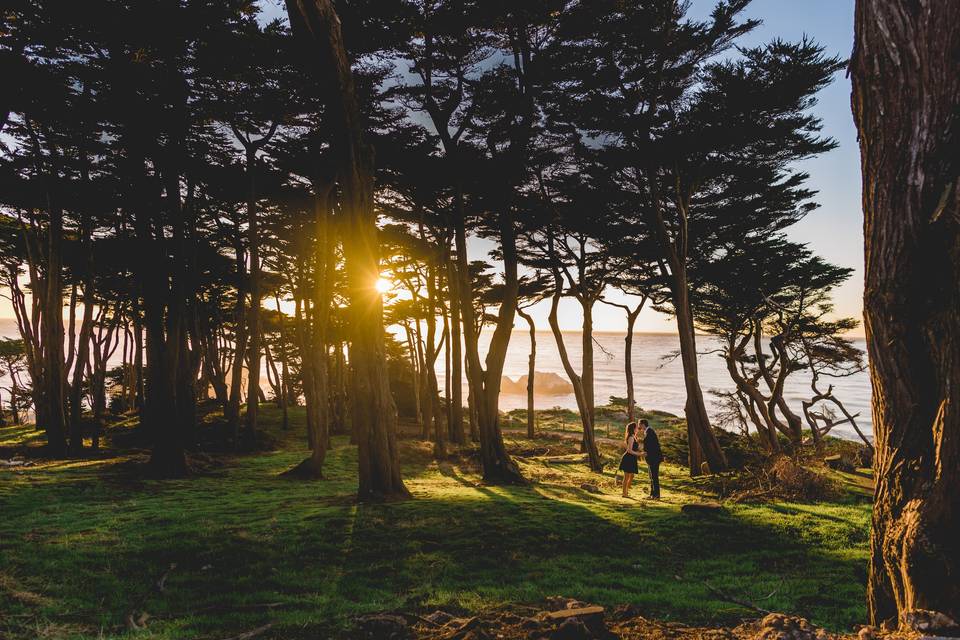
628	463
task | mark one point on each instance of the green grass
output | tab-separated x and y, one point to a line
83	544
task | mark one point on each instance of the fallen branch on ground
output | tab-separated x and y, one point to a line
728	598
253	633
414	616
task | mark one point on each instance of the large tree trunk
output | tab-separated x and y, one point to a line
314	348
704	446
316	24
906	103
249	435
498	467
51	330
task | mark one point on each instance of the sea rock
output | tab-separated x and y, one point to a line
544	384
777	626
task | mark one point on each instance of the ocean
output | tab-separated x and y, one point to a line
658	379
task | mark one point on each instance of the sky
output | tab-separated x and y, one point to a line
835	230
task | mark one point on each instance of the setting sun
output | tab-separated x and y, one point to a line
383	285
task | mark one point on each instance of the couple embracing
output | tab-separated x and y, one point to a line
651	454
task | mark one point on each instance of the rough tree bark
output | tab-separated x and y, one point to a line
316	25
906	104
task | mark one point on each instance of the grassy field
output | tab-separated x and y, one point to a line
86	545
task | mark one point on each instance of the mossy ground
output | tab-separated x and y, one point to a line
83	545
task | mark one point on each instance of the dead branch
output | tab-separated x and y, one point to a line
253	633
728	598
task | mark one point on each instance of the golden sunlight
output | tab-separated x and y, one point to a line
383	285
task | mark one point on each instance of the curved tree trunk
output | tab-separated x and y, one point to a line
579	391
906	93
498	467
705	452
531	373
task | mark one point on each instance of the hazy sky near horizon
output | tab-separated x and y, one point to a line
834	231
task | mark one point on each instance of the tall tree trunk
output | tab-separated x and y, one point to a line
531	374
314	354
139	393
249	435
254	329
432	388
906	92
632	315
704	446
284	374
316	25
456	357
415	367
498	467
51	386
231	412
83	356
579	389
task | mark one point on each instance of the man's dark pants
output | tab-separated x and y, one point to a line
654	466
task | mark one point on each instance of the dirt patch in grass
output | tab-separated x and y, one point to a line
569	619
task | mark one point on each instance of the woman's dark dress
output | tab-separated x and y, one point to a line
628	463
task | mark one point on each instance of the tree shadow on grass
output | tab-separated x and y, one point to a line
250	548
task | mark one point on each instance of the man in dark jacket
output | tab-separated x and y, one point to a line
654	456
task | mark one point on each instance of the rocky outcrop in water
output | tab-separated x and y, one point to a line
544	384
